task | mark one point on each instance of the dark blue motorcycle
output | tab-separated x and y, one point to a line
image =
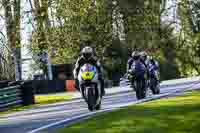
138	78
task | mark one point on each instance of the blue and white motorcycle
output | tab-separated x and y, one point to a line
154	78
90	86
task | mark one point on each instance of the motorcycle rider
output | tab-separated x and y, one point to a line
154	63
144	58
148	61
135	56
136	68
87	55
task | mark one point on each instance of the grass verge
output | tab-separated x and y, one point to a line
171	115
40	100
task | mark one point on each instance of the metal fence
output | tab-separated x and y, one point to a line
10	96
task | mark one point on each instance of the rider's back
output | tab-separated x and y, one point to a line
139	67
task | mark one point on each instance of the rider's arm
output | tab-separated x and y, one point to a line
99	66
77	67
127	67
130	61
157	64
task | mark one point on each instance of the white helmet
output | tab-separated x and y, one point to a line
87	52
150	57
143	55
135	55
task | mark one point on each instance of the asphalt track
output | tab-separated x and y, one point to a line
57	115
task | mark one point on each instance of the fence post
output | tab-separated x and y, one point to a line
27	93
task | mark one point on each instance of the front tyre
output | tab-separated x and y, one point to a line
91	99
140	88
154	86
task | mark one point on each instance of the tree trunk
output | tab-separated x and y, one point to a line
17	47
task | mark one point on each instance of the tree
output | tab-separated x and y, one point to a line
188	39
5	64
12	19
112	27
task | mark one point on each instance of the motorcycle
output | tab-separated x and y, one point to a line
90	86
154	77
138	77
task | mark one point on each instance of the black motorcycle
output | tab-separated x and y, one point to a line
138	77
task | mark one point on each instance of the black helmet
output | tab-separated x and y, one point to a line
87	52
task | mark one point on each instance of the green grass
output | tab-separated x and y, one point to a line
39	100
172	115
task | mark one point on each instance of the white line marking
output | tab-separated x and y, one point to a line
68	119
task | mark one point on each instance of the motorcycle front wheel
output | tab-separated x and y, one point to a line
140	88
154	86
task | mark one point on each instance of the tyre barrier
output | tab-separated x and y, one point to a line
14	94
56	86
70	85
48	86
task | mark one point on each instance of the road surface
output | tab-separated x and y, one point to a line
30	120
